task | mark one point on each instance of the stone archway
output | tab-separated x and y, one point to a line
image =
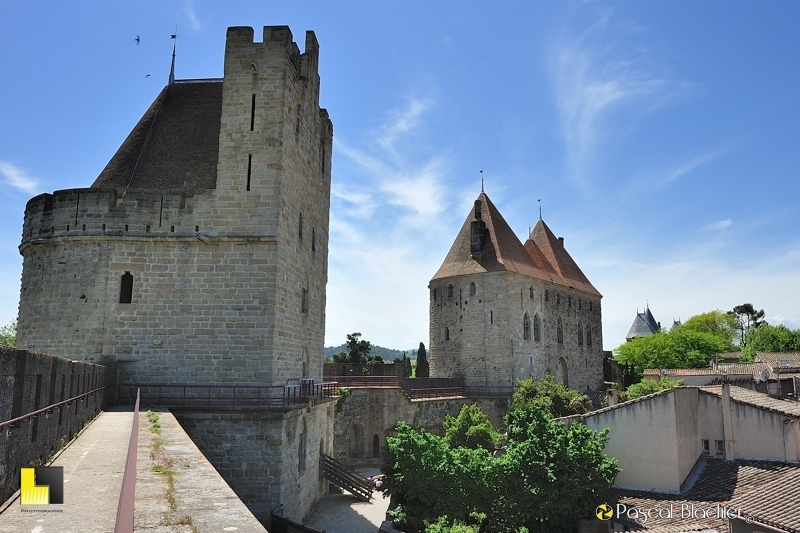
561	372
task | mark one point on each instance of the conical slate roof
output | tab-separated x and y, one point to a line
643	325
501	250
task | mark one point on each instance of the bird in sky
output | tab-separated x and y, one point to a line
137	39
147	75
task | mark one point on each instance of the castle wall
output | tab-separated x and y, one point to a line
368	412
31	381
486	344
226	287
258	453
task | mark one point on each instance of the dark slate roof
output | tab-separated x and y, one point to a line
765	491
175	145
502	251
643	325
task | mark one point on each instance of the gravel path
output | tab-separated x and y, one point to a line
343	513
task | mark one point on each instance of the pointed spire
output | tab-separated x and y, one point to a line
540	208
481	178
172	67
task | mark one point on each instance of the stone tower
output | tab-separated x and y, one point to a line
200	252
502	311
199	256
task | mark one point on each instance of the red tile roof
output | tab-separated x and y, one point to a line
757	399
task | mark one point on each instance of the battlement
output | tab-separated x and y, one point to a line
75	212
242	50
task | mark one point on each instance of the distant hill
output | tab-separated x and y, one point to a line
387	353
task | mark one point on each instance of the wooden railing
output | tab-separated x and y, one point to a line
346	478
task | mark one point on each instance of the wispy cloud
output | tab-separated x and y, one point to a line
16	177
389	216
191	15
593	81
696	162
722	224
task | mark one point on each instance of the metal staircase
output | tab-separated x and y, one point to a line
346	478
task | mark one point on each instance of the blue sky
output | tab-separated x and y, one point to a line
662	137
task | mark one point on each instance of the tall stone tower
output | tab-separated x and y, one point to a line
502	311
199	255
200	252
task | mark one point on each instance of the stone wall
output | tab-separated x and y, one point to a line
30	381
268	457
228	284
486	344
371	412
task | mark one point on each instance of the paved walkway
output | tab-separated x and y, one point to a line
343	513
93	466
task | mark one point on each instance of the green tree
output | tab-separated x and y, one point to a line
555	399
423	370
724	326
549	470
8	334
649	386
768	338
341	357
470	429
680	348
407	370
749	319
357	350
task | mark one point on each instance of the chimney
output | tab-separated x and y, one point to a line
561	241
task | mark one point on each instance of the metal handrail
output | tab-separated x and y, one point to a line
186	394
49	407
127	495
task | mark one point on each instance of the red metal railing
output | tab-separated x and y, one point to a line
196	395
127	496
365	381
38	412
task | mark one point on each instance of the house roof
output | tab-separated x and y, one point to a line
643	325
175	145
756	399
765	491
780	363
501	251
753	369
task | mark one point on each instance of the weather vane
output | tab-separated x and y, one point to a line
172	68
481	178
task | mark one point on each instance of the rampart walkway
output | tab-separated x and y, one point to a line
93	467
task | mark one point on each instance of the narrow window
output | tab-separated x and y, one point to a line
297	123
253	112
588	336
126	227
590	306
720	447
530	290
147	228
313	239
560	332
579	304
449	291
526	327
435	294
300	227
472	290
580	334
706	448
546	296
172	229
249	169
491	317
569	299
304	301
126	288
301	449
84	227
558	298
447	334
536	330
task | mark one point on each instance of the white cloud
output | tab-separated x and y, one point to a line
791	323
16	177
188	10
593	80
722	224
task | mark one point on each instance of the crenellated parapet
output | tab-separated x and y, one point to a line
97	212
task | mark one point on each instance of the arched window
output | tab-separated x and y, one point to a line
560	332
447	334
536	332
589	336
126	288
526	327
530	290
472	289
580	334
